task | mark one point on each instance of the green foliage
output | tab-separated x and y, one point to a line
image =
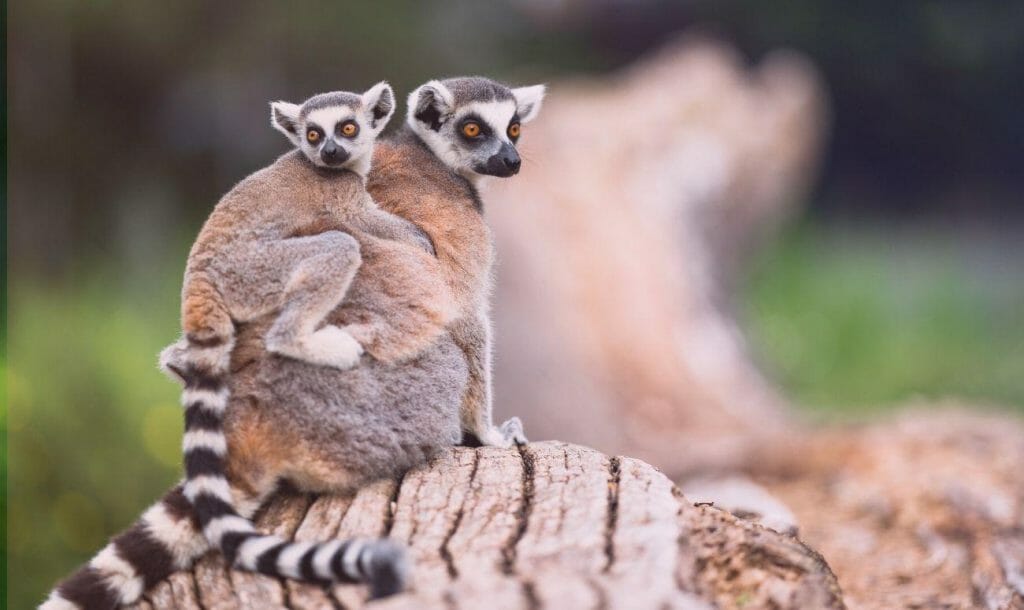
849	320
95	427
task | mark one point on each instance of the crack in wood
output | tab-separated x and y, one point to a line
523	514
599	592
415	529
530	593
614	478
196	592
286	597
392	507
681	542
563	505
335	602
310	501
226	568
444	551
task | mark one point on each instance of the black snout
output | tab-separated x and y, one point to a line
332	154
504	163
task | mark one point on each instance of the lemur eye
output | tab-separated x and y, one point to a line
513	130
349	129
313	136
471	130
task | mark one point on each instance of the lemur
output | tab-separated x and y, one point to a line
324	429
275	242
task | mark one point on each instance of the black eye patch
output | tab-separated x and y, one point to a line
485	130
515	121
314	139
347	128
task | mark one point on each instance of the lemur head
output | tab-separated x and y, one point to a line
473	123
337	129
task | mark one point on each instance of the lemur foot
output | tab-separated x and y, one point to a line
174	360
506	435
512	430
330	346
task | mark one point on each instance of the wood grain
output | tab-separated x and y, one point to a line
547	525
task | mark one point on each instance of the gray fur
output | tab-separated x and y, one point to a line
466	89
374	421
334	98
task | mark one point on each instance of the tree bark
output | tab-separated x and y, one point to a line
547	525
923	509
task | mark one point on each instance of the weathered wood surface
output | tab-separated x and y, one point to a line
548	525
924	509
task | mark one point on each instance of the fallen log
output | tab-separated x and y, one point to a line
548	525
921	509
622	242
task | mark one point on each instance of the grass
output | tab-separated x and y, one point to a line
853	320
848	321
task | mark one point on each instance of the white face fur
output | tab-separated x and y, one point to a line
475	137
337	130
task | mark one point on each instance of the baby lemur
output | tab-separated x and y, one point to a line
322	428
291	238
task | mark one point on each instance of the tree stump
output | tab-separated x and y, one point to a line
547	525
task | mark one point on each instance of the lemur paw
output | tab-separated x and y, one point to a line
330	346
512	431
506	435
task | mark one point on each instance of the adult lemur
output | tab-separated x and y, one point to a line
325	429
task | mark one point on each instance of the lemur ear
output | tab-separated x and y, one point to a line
380	100
284	117
528	100
431	104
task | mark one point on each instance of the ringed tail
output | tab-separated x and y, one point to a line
201	512
380	563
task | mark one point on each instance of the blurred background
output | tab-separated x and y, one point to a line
900	275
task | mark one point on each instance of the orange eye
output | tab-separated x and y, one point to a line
513	130
312	135
471	130
349	129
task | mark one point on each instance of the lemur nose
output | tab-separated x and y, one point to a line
333	155
513	163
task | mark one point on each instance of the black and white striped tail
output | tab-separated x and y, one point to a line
163	540
201	512
380	563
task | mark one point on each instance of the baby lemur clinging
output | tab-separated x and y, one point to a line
319	427
291	238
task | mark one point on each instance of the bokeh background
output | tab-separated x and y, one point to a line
904	276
